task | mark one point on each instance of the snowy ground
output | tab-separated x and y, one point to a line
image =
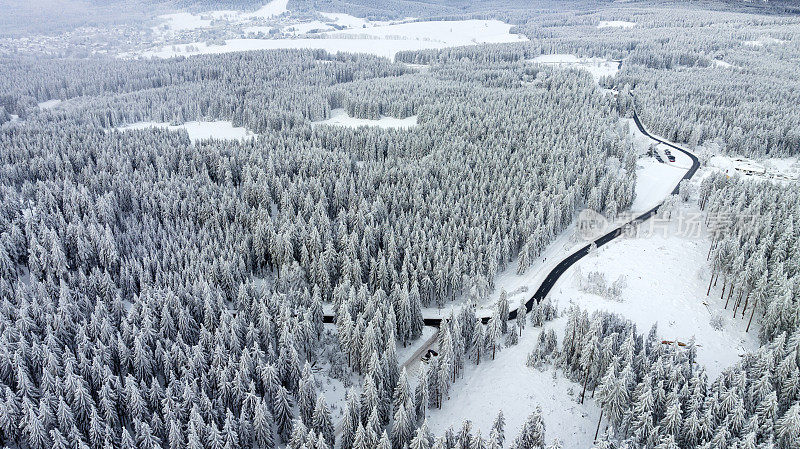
654	180
348	21
339	117
507	383
307	27
764	40
447	33
598	67
776	169
199	130
615	24
257	30
185	21
410	356
379	40
49	104
667	276
187	34
721	63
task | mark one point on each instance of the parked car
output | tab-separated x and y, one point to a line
671	158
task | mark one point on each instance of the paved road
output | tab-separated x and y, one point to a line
559	269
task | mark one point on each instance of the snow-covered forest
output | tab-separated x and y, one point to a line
278	284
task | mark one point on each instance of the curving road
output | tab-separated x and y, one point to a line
562	266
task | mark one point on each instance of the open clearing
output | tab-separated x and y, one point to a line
774	169
667	277
598	67
199	130
615	24
507	383
49	104
384	40
181	33
339	117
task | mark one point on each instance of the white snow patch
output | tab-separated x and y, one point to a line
271	9
507	384
379	40
721	63
346	20
186	21
199	130
615	24
447	33
667	277
776	169
49	104
764	40
654	181
339	117
597	67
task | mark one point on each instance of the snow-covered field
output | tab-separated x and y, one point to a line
721	63
199	130
332	32
667	276
615	24
348	21
306	27
271	9
764	40
185	21
383	40
448	33
339	117
598	67
257	29
507	383
776	169
49	104
182	21
654	180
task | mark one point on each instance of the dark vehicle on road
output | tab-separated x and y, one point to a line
429	354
